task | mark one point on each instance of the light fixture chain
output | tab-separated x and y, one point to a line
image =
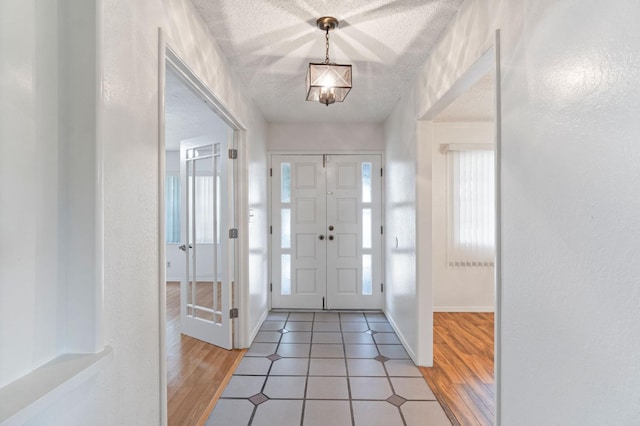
326	59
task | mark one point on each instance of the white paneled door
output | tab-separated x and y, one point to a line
326	231
207	203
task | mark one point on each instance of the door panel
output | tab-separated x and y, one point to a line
298	200
205	290
325	209
353	210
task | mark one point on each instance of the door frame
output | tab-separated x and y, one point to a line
487	61
168	57
272	153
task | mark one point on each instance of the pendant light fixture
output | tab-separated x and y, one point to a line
328	82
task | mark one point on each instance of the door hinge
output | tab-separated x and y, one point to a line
324	160
271	172
271	287
270	229
382	229
323	305
233	313
381	287
381	172
233	154
233	233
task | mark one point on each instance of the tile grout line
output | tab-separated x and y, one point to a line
306	381
346	369
388	376
266	378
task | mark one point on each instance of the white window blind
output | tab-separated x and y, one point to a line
471	205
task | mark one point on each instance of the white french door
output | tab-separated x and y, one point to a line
207	200
326	231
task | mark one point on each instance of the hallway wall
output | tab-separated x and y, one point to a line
327	137
120	148
570	84
130	58
29	170
401	260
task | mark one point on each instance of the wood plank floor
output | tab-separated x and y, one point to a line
462	375
196	371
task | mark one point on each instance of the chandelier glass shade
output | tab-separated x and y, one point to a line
328	82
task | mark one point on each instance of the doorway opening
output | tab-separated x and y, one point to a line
198	211
198	249
464	129
326	232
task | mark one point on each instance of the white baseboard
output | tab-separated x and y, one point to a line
256	329
463	309
406	346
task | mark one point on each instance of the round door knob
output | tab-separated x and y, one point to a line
331	228
331	237
321	237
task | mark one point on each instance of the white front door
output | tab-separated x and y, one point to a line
206	286
326	231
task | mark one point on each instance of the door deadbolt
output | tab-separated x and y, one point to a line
330	227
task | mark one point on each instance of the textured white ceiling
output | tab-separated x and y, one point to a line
270	43
187	116
476	104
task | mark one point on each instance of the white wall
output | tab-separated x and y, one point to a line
456	289
29	202
570	224
570	84
257	230
130	123
325	137
127	390
49	193
400	222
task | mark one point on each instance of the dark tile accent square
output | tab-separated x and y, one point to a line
259	398
396	400
381	358
274	357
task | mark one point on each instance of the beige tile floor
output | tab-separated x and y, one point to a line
328	369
